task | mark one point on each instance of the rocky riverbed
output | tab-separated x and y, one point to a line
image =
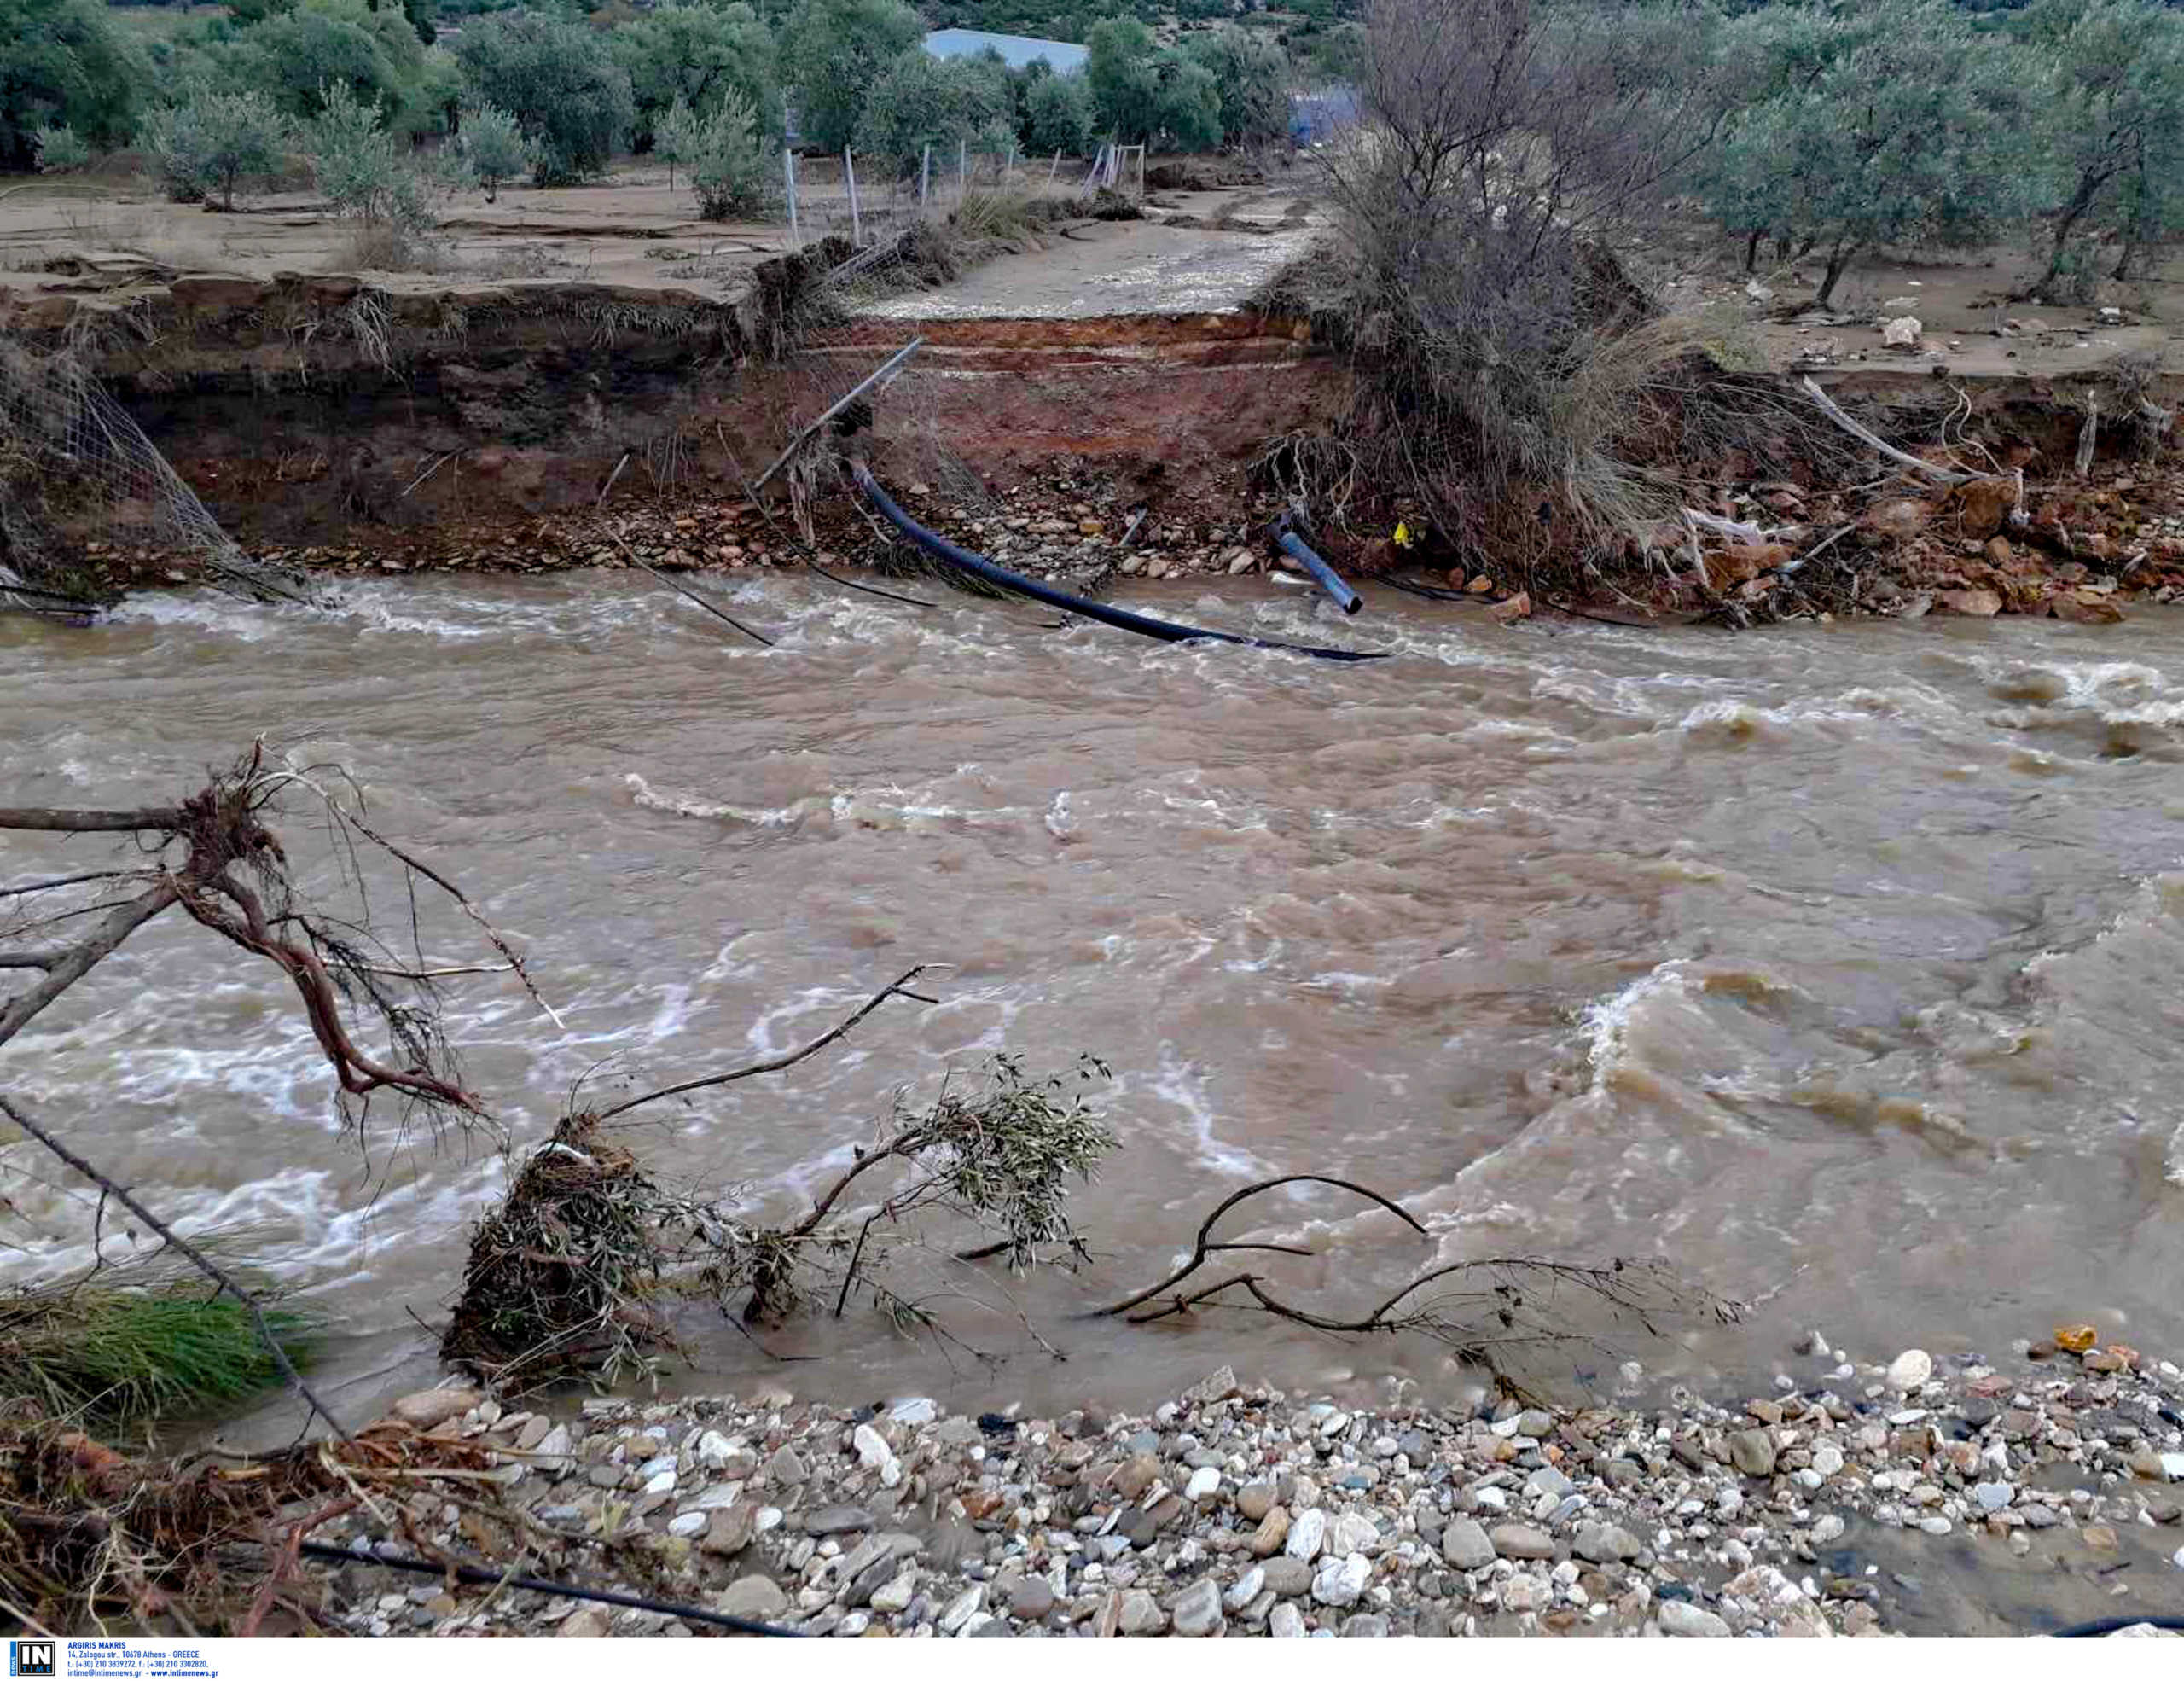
1237	1510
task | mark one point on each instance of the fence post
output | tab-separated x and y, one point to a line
788	174
962	171
849	174
925	178
1054	168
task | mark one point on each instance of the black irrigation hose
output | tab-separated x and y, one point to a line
365	1552
2102	1625
1160	630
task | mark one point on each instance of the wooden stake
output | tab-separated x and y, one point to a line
849	174
788	173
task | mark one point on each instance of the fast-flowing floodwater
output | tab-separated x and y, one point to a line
1837	966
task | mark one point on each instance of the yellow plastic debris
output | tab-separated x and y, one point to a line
2075	1338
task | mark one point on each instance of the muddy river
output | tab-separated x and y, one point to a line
1837	966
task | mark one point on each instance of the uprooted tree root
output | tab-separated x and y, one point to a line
90	1537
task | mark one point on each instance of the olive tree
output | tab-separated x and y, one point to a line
1252	79
61	151
2117	120
64	63
922	101
295	53
494	148
558	81
833	52
731	166
675	137
1895	124
1058	115
212	142
697	53
1142	92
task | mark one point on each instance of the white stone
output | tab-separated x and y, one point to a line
1305	1535
1691	1622
1204	1483
1246	1588
1914	1366
662	1482
1828	1459
1340	1581
689	1523
872	1449
1353	1533
1286	1622
713	1450
2172	1467
897	1595
918	1410
961	1609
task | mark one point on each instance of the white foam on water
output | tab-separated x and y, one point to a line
687	806
1608	1025
1184	1085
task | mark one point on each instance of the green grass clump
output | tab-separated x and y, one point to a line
133	1356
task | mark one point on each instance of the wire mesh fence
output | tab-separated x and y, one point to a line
75	471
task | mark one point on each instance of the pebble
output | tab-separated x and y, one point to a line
1465	1545
1286	1622
1681	1618
1141	1613
1288	1577
1753	1453
1909	1371
1521	1540
1197	1612
751	1597
1204	1484
1339	1581
1307	1530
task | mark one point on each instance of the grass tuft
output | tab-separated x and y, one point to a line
132	1356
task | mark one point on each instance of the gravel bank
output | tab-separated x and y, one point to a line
1233	1510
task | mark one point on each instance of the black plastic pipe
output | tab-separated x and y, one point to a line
368	1552
1160	630
1298	549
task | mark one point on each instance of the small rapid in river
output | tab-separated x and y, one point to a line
1836	965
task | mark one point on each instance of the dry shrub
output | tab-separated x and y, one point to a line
1506	148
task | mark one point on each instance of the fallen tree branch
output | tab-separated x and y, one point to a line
66	968
189	1251
1204	1247
832	408
65	822
1912	463
898	987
